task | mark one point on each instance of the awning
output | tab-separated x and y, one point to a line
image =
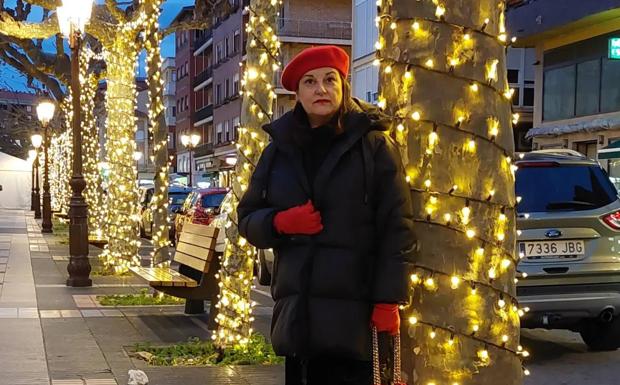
592	125
611	151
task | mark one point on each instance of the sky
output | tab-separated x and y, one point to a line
12	79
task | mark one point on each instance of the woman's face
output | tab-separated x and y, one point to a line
320	94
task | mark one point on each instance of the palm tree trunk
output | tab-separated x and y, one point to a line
443	79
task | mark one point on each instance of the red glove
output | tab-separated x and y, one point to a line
385	318
298	220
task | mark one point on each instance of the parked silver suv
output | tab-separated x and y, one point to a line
569	244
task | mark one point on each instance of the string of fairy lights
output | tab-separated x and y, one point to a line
473	215
159	202
121	251
93	193
234	304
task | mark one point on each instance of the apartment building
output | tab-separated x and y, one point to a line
185	104
577	72
214	59
169	76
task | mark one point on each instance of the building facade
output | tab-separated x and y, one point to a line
169	76
216	59
185	104
577	77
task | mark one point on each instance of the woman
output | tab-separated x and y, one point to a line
329	196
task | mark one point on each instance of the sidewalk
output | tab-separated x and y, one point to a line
52	334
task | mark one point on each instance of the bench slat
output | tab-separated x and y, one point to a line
160	276
203	230
197	252
195	263
198	240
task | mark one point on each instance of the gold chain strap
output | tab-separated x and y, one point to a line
376	368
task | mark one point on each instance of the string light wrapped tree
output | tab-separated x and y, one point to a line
443	81
235	306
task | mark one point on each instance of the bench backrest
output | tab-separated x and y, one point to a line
196	246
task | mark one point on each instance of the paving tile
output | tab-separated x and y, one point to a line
4	253
111	313
84	301
28	312
5	246
70	314
60	257
91	313
67	382
104	381
8	312
4	260
50	313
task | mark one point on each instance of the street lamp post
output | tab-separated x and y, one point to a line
36	139
73	16
45	113
31	157
190	142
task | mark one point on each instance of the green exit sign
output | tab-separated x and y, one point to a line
614	48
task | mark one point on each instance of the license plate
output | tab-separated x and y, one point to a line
551	248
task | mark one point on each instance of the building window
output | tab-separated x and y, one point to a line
227	88
174	111
218	52
528	97
186	105
218	133
218	94
186	68
237	42
515	97
235	128
236	84
227	47
610	92
227	131
513	76
559	93
588	81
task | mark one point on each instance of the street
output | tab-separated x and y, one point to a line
561	358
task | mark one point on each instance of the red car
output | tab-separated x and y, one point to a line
200	207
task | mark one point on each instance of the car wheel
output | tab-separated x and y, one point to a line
264	278
601	336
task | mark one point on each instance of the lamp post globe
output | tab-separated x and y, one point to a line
45	113
73	15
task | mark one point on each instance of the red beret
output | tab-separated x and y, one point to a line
313	58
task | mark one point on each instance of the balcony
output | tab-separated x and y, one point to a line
203	149
203	113
317	29
203	77
203	39
170	89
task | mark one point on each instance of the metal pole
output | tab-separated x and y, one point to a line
37	190
32	196
79	266
190	167
46	226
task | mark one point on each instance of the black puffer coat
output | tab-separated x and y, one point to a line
324	286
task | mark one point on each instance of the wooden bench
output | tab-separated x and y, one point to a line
195	281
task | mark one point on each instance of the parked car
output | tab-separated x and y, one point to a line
176	197
200	207
569	244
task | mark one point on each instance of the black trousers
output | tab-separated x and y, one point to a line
327	371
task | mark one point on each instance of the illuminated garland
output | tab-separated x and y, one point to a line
93	194
235	307
444	84
158	128
121	251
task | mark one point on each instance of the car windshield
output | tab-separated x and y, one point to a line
212	200
177	198
563	188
